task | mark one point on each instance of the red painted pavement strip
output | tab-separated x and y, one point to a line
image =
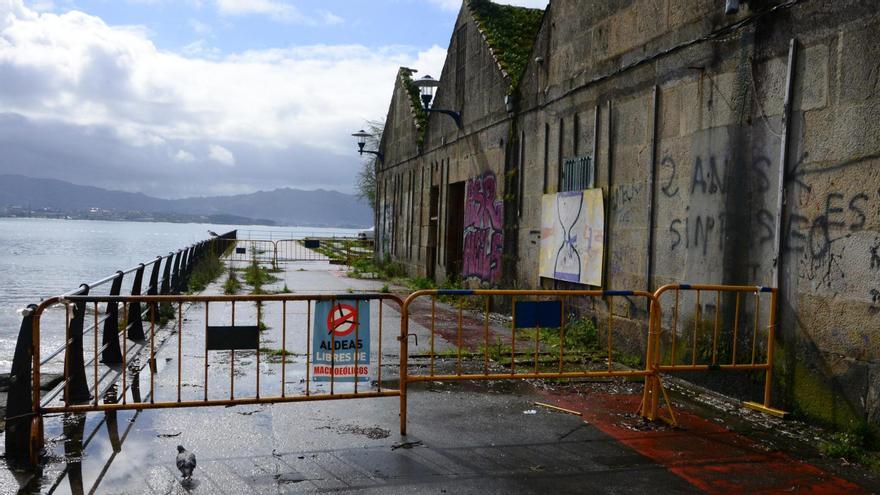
705	454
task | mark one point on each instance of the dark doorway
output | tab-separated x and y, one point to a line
454	228
433	232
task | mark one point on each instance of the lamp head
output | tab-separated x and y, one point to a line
361	136
426	87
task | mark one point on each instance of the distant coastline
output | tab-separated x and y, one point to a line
219	219
101	214
28	197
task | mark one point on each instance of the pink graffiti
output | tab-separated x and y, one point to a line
483	232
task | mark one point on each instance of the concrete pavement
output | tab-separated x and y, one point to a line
463	438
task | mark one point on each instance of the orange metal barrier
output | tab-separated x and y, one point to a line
92	382
471	337
540	340
727	328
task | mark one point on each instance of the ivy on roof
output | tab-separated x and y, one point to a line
415	101
510	32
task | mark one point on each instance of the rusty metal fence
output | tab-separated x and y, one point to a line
718	328
340	249
95	381
541	339
538	342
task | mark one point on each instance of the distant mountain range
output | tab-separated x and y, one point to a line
285	206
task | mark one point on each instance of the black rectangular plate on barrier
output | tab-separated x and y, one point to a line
233	338
544	314
239	250
312	243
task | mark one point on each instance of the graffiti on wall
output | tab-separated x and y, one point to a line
572	235
822	221
483	229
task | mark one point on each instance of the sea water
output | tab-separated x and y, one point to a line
40	258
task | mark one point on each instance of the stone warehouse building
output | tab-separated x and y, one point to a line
633	143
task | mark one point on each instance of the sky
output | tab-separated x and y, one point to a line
181	98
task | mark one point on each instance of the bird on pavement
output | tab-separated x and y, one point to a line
186	462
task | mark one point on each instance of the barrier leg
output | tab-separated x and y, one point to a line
404	351
650	397
768	376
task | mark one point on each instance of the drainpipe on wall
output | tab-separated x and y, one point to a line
779	240
649	269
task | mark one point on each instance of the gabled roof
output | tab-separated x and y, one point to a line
510	33
406	96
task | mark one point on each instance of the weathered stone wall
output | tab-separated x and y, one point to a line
683	106
473	155
714	149
400	146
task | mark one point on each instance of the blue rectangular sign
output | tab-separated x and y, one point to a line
544	314
341	341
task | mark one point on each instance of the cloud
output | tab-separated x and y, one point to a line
201	48
82	86
330	18
184	156
43	5
455	5
277	10
220	154
200	27
239	7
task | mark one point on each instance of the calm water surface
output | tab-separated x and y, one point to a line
43	257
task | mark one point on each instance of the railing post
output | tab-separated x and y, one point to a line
166	275
183	282
112	354
153	284
74	364
19	401
135	321
175	274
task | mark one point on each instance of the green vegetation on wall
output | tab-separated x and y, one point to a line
510	32
415	96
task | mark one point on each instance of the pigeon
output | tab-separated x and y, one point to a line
213	234
186	462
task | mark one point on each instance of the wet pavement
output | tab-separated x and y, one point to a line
486	437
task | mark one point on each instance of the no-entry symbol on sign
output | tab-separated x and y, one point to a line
342	320
341	342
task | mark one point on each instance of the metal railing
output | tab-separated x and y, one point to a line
21	411
344	250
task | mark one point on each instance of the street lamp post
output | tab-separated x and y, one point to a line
426	87
362	136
